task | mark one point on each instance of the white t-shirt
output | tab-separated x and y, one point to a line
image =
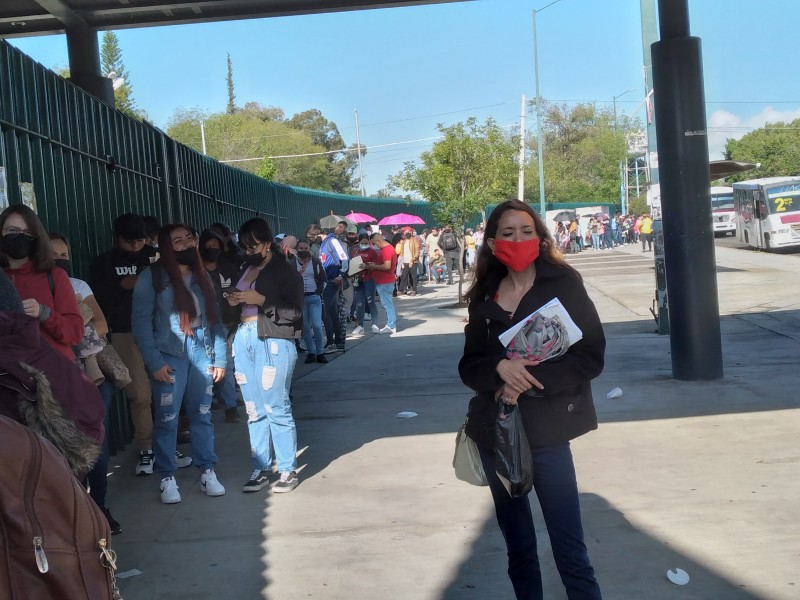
81	288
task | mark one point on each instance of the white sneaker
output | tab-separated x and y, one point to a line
210	484
145	464
376	329
181	460
169	491
387	329
367	317
358	331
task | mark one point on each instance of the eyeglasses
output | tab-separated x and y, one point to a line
250	249
16	231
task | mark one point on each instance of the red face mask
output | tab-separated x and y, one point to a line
517	256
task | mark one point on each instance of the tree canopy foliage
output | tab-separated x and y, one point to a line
776	146
582	146
259	132
472	167
112	66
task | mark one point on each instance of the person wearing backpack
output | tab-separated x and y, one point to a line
45	289
178	327
452	255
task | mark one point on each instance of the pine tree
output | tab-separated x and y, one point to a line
231	96
111	62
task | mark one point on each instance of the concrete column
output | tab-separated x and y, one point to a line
84	63
695	338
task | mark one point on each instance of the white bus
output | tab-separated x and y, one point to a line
768	212
723	216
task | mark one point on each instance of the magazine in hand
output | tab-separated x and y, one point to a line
544	334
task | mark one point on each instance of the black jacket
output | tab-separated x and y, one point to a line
564	409
106	273
282	287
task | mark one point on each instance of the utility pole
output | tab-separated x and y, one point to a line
203	135
521	185
360	164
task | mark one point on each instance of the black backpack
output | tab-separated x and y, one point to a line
449	241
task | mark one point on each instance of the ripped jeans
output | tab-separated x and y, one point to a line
192	385
264	373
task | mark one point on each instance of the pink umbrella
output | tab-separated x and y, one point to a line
401	219
360	218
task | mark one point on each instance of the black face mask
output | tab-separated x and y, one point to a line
187	256
254	259
63	263
19	245
304	254
211	254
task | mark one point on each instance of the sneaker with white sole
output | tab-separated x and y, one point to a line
387	329
358	330
258	481
145	464
376	329
181	460
210	485
169	491
367	317
286	483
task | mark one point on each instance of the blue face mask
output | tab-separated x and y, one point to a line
364	246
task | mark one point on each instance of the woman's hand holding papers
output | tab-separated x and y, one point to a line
516	376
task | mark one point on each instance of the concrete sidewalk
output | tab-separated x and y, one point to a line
698	476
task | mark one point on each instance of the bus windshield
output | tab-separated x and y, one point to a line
783	199
722	202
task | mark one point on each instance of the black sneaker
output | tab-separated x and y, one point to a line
321	359
115	527
286	483
311	358
258	481
340	346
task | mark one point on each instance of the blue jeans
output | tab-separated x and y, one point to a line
312	323
264	371
193	384
330	298
557	491
596	241
97	478
365	296
385	293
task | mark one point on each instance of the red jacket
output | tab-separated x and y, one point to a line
64	328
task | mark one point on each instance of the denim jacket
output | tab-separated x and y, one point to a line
156	323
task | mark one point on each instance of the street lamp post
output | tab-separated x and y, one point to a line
623	164
540	150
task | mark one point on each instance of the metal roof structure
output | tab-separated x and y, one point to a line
23	18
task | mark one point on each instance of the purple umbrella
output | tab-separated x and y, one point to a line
401	219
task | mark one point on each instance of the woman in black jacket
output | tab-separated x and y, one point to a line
519	270
270	294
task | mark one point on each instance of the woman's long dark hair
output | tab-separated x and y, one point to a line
257	231
184	303
488	267
42	257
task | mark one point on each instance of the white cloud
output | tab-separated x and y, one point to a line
724	125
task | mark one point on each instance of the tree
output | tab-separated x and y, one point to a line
341	165
267	169
776	146
472	167
231	96
583	146
113	67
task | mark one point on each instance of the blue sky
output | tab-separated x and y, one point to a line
407	69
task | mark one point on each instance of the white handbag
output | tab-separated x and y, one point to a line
467	460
